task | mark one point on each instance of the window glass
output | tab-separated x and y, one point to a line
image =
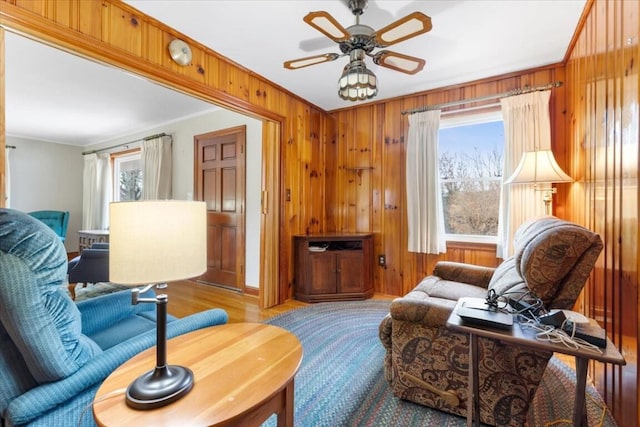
127	177
471	153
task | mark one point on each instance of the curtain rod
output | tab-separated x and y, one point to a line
10	146
146	138
466	110
520	91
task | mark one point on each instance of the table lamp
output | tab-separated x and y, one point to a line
152	243
538	167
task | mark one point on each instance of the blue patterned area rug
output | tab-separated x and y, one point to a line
341	381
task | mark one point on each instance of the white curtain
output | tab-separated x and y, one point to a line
7	177
96	194
527	128
424	203
156	168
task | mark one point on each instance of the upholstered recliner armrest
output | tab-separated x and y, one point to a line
104	311
464	273
41	399
418	307
415	307
384	332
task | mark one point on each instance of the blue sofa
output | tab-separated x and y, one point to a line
54	354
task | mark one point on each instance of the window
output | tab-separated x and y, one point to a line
471	151
127	176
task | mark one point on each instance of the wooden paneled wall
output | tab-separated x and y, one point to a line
603	93
339	172
117	34
366	192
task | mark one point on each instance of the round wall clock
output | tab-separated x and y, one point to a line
180	52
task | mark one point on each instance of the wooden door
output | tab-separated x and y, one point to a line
220	182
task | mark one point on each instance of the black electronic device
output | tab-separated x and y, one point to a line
555	319
590	332
477	311
526	309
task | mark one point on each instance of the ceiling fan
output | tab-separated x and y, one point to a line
358	41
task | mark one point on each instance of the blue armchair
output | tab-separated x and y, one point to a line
54	354
56	220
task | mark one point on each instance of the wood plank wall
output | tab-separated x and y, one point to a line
367	191
340	172
115	33
603	94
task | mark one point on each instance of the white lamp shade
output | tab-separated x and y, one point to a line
538	167
157	241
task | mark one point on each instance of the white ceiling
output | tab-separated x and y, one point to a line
54	96
470	40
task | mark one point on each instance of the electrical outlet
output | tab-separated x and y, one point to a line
382	260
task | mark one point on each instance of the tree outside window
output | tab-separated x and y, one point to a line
128	179
471	164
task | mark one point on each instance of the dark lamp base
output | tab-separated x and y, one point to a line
159	387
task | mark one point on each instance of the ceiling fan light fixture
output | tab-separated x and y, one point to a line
357	82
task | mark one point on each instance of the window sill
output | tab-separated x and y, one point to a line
470	245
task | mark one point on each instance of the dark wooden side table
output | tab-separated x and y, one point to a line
526	338
243	373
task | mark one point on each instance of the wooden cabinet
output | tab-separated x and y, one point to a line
332	267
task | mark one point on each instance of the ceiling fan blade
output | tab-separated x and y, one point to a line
310	60
327	25
399	62
410	26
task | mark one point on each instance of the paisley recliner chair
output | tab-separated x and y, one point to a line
427	363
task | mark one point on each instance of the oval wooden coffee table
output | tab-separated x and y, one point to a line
243	373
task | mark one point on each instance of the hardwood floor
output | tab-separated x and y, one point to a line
187	297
